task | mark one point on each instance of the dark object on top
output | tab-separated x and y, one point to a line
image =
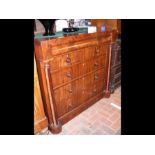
72	29
48	25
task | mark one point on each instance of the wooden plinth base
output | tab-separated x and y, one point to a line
107	94
55	129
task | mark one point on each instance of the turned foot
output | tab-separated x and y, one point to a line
107	94
55	129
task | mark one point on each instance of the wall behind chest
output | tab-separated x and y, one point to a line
111	24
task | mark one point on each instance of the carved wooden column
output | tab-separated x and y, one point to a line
54	126
107	91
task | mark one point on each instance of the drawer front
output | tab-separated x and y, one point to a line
98	81
65	75
76	70
64	97
98	75
70	73
92	52
71	58
67	98
86	67
87	89
80	91
79	56
99	62
65	60
98	87
92	65
89	52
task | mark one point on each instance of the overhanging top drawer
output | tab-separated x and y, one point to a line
63	48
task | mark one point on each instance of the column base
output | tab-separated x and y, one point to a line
107	94
55	129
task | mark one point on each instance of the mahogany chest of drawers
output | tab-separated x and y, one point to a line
73	74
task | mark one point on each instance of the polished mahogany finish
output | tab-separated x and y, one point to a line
40	120
73	73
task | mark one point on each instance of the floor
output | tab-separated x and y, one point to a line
102	118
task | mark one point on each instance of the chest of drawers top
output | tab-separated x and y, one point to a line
50	47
